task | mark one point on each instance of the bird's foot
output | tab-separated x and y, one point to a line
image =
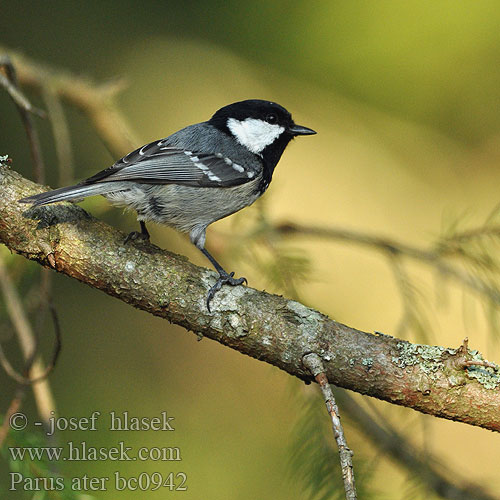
136	235
224	279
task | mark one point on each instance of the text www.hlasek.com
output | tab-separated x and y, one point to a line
80	452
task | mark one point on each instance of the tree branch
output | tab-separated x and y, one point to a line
273	329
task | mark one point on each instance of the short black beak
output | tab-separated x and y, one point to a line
300	130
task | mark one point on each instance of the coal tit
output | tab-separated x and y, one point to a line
197	175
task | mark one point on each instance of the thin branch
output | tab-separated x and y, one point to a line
42	392
314	364
18	97
25	110
393	247
268	327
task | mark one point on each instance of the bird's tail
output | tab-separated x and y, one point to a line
70	193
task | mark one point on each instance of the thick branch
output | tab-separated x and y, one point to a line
273	329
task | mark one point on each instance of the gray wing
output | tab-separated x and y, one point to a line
158	163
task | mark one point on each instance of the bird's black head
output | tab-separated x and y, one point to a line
265	128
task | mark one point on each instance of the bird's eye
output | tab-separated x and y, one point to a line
272	118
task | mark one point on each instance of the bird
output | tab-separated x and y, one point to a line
196	176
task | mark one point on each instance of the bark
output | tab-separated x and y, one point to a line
271	328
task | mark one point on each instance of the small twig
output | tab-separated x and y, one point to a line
313	363
481	362
465	345
464	362
25	110
18	97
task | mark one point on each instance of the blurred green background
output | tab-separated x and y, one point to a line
405	98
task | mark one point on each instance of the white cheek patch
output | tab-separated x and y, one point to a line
254	134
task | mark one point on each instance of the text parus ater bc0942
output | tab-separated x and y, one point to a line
197	175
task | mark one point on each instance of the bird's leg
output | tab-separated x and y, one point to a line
136	235
224	278
144	230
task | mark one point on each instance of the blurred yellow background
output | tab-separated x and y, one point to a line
405	98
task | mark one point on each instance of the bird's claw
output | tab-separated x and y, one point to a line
136	235
224	279
238	281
